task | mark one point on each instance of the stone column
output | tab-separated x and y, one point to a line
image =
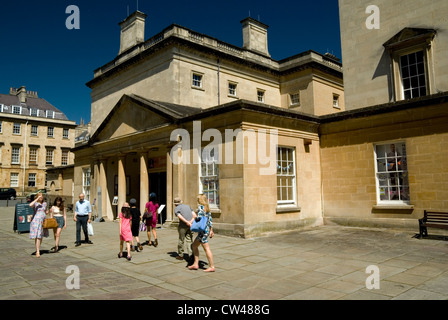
169	187
121	181
106	206
144	181
94	184
61	184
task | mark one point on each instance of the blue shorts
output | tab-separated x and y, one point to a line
61	222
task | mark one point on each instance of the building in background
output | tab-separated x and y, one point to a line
34	136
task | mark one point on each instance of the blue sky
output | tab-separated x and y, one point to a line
39	52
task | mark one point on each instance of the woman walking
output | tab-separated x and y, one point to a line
150	218
37	232
202	238
58	212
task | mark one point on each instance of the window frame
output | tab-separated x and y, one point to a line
289	202
86	182
214	162
65	154
410	40
336	99
48	132
64	131
400	83
33	155
13	108
194	81
49	153
32	114
232	91
15	156
16	185
31	180
14	128
291	100
48	112
403	172
263	95
36	134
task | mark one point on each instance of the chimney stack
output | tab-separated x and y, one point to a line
21	93
255	36
132	30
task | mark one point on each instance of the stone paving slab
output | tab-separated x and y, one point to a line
321	263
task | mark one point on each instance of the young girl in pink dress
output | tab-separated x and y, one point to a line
125	230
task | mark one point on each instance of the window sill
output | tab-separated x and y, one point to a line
287	209
391	208
216	212
198	88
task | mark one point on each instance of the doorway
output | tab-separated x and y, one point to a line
157	184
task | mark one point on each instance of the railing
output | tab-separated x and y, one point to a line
12	203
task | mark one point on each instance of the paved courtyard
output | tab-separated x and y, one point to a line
327	262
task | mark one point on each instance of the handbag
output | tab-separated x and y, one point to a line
49	223
199	224
142	226
147	217
90	229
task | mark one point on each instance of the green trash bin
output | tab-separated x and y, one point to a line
23	216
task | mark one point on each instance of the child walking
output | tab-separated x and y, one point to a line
125	230
135	228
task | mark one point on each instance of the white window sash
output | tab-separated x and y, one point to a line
291	176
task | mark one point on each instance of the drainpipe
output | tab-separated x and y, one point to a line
219	102
24	158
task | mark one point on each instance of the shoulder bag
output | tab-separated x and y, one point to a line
199	224
49	223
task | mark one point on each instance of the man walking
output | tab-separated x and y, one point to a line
186	216
83	213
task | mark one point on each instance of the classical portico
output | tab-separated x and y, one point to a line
129	156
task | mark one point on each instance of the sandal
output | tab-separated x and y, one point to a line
212	269
140	247
129	258
120	255
192	267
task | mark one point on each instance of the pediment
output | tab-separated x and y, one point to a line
128	117
409	36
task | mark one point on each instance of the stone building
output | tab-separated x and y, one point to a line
163	99
367	151
34	136
385	160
